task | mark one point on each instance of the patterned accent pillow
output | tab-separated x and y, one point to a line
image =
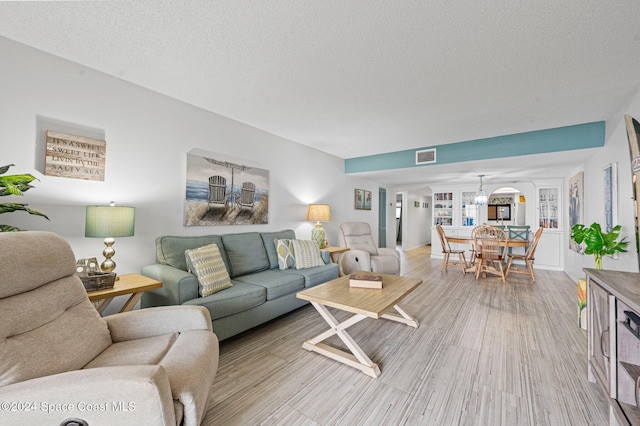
207	265
285	254
307	254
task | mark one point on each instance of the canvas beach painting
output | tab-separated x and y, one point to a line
220	192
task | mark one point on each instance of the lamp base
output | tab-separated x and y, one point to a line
108	265
318	235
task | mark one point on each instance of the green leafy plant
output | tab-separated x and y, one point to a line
15	185
597	242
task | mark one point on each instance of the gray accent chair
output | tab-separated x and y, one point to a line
59	359
363	254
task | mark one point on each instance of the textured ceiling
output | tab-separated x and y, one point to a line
359	77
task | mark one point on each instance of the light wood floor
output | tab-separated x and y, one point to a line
486	353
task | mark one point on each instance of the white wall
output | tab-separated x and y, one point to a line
616	150
417	224
148	136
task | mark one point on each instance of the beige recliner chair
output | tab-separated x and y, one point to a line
363	255
59	359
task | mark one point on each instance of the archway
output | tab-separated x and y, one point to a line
507	206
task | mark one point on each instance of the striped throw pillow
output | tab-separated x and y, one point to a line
307	254
207	265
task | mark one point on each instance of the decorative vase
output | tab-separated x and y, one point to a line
597	261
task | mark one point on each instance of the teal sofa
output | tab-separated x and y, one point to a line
260	291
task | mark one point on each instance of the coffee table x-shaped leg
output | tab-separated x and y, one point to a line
357	358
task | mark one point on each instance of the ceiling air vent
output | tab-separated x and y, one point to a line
426	156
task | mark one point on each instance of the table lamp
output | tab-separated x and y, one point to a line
319	213
109	222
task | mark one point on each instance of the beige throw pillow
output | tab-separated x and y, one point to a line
207	265
307	254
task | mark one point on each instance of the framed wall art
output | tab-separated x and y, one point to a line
362	199
75	157
633	130
610	177
576	210
223	193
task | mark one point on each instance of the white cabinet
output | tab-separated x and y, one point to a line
548	252
469	212
443	208
549	207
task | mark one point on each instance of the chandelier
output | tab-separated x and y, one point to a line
481	196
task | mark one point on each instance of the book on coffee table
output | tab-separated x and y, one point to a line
365	280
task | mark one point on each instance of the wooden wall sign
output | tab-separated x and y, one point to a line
74	157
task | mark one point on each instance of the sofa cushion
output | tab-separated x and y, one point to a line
285	254
315	276
246	253
240	297
307	254
269	244
206	263
275	282
170	250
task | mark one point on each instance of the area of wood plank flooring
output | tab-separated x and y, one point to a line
486	353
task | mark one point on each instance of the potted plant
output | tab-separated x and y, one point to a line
15	185
597	242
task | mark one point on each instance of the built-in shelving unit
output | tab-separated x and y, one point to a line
469	216
548	207
443	208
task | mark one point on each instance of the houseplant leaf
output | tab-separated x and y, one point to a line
15	185
14	207
597	242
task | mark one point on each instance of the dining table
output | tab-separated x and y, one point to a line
470	267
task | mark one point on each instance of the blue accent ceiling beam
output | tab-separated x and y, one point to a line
581	136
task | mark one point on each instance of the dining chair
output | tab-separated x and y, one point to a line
518	232
490	244
446	249
528	258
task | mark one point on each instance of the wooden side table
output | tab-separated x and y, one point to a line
334	251
132	284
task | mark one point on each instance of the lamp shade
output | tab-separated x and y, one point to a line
319	213
109	221
482	198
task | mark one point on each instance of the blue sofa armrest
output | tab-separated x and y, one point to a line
178	286
326	256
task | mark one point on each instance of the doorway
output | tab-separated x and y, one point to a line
382	217
398	211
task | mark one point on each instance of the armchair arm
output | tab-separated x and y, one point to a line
127	395
157	321
385	251
387	261
178	286
355	260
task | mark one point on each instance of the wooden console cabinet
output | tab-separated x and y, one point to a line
613	335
